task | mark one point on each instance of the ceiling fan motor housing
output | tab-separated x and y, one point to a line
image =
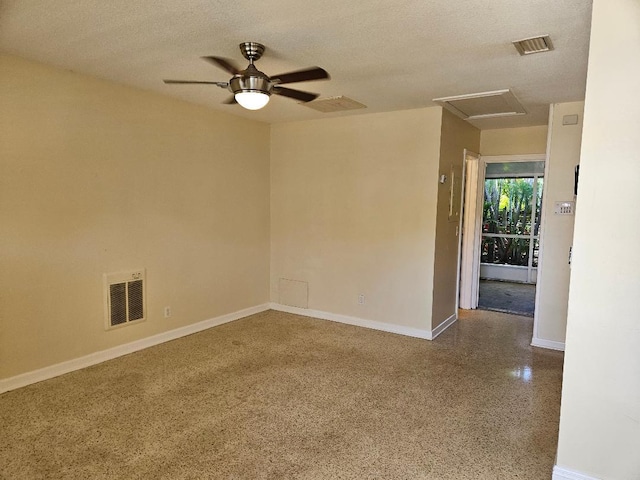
250	80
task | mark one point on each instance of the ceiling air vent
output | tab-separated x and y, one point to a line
527	46
334	104
475	106
124	298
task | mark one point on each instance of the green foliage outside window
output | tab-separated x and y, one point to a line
509	209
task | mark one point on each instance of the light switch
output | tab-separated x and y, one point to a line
564	208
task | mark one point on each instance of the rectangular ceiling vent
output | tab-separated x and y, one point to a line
527	46
334	104
475	106
124	298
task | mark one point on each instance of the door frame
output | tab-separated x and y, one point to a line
472	264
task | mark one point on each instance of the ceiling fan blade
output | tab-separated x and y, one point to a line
224	64
296	94
314	73
230	101
189	82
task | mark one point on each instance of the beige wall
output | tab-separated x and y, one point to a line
456	135
514	141
600	414
96	178
557	230
353	211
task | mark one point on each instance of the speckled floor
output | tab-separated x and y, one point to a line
277	396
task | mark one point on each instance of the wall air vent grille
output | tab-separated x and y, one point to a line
124	298
118	303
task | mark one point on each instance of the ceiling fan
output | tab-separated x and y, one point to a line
252	88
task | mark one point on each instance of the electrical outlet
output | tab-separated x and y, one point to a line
361	299
167	312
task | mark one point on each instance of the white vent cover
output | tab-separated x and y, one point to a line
293	292
540	44
124	298
474	106
334	104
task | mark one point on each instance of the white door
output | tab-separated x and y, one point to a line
471	223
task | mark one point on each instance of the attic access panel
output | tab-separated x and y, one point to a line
474	106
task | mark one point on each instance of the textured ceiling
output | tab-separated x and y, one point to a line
389	55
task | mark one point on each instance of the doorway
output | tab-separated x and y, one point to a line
501	232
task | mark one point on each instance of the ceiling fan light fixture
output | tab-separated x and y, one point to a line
252	88
252	100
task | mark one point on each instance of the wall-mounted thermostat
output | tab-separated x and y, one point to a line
564	208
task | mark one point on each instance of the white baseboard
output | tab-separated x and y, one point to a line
550	344
560	473
52	371
358	322
444	325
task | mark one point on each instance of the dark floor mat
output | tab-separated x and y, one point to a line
518	298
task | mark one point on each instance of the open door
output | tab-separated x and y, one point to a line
494	248
470	238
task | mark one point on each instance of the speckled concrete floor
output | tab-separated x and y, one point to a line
276	396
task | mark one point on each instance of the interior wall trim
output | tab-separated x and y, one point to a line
58	369
543	238
443	326
560	473
550	344
357	321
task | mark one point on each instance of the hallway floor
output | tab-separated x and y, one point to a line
516	298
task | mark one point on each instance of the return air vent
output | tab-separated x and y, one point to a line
334	104
527	46
124	298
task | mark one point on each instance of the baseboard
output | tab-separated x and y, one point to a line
443	326
358	322
52	371
550	344
560	473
